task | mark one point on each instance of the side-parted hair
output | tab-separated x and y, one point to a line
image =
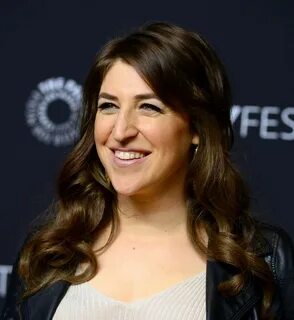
186	74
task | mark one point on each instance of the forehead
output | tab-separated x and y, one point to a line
123	78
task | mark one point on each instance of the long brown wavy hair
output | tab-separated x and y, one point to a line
186	74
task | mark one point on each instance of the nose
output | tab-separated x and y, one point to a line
125	126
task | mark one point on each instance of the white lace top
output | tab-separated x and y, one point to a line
182	301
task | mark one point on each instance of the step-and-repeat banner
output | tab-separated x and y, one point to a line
46	51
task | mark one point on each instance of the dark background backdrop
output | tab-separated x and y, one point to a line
59	39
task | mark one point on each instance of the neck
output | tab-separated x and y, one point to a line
154	215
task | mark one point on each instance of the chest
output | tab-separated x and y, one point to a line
132	270
185	300
245	306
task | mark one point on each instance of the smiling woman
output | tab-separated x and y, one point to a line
152	219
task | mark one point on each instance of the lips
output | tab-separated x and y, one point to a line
126	157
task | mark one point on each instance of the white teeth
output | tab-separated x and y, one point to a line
128	155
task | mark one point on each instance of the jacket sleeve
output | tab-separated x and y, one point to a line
282	265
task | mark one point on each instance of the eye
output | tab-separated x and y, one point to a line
150	108
107	108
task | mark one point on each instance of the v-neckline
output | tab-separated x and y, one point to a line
147	299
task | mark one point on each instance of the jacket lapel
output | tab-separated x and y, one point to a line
44	303
219	307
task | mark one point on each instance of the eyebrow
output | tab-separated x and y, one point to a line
141	96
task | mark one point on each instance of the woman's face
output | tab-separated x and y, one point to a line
142	143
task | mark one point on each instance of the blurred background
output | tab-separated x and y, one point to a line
46	49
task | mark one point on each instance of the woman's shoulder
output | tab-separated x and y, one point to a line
277	247
275	236
269	230
279	255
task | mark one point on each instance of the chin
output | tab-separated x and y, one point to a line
126	189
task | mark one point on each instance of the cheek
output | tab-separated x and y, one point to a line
102	131
174	135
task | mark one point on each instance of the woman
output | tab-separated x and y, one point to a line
152	218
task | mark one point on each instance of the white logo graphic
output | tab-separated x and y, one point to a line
42	127
5	271
270	122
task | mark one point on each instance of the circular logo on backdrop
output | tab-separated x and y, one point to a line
52	111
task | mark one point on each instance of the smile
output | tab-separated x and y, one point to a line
123	155
128	157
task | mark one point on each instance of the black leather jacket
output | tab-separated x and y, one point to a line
276	248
